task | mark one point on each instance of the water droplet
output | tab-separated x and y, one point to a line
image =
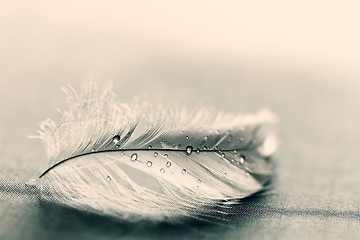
108	178
242	139
162	170
222	154
117	146
199	181
229	139
149	164
232	160
155	154
225	173
242	159
234	151
182	132
247	174
134	157
198	150
150	147
168	164
189	149
183	171
166	156
205	147
31	182
206	138
187	137
116	138
121	154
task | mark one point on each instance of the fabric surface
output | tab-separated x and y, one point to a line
314	195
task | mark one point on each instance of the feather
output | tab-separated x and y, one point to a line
143	161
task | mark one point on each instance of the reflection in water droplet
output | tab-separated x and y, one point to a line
149	164
187	137
189	149
183	171
134	157
162	170
155	154
168	164
108	178
166	156
149	147
116	138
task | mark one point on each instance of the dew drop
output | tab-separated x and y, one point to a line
199	181
149	164
168	164
116	138
189	149
232	160
162	170
134	157
187	137
149	147
234	151
155	154
205	147
182	132
165	155
31	182
183	171
247	174
198	150
206	138
222	154
242	160
108	178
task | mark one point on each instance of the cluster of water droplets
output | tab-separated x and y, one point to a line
240	158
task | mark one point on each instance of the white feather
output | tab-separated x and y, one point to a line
140	161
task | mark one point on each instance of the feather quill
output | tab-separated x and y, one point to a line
140	161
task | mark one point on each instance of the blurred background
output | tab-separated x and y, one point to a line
300	58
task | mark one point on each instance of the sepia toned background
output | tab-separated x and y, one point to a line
300	58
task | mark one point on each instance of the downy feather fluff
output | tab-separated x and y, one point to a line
140	161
